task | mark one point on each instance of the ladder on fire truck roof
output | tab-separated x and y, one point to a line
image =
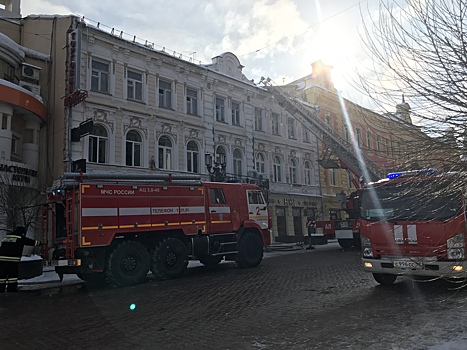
330	138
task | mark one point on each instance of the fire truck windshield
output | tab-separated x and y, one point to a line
409	201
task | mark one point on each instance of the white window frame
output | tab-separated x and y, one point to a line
260	163
192	158
191	101
165	94
275	124
136	85
164	154
237	162
134	145
101	75
236	113
258	119
99	140
293	171
307	173
277	169
291	128
220	109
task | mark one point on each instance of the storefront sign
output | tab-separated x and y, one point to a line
18	173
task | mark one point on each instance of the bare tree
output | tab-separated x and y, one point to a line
20	204
418	49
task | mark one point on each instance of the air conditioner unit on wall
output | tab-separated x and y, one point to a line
30	72
34	88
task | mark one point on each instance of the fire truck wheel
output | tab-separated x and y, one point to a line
170	259
128	264
250	250
345	243
384	278
209	260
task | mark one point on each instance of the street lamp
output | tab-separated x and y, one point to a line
216	170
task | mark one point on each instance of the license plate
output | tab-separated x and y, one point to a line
406	264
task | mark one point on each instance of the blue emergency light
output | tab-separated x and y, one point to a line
411	173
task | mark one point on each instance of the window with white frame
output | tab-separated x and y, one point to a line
332	177
220	109
293	171
368	140
277	169
237	162
235	113
307	173
165	94
258	119
191	101
98	144
221	155
165	153
291	128
134	148
275	124
99	76
134	85
359	137
306	135
192	157
261	163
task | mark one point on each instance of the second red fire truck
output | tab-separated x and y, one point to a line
117	228
413	224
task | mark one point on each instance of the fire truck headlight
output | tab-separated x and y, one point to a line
455	247
367	249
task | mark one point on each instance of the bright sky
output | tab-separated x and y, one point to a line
272	38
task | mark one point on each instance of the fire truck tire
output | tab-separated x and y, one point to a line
384	278
170	259
128	264
209	260
250	250
345	243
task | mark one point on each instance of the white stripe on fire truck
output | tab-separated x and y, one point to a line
191	210
412	234
398	234
99	212
219	209
134	211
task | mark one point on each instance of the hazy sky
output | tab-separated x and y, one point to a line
272	38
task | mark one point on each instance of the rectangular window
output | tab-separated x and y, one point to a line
100	76
358	137
378	143
275	124
258	120
306	136
165	94
216	196
191	101
134	86
235	113
291	128
332	177
220	109
368	140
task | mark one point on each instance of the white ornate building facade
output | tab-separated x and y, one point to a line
155	111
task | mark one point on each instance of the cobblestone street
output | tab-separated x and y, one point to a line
298	299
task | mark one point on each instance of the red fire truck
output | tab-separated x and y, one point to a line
413	224
117	228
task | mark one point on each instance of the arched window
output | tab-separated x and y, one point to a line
98	144
237	162
260	163
277	169
134	148
293	171
221	155
165	153
192	157
307	173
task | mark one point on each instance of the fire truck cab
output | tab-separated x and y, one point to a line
413	224
117	228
